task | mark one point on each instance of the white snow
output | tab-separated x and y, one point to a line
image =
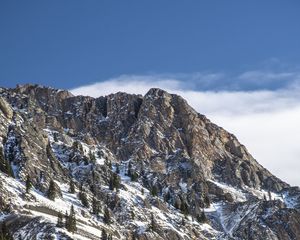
238	195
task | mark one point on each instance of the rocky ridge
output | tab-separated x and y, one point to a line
179	175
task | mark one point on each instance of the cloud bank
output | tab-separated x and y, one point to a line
261	108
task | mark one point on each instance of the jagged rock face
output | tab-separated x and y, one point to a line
155	126
176	153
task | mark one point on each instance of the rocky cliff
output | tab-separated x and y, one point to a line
151	164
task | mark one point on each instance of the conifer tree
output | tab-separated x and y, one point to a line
132	214
176	204
85	160
184	208
107	217
270	196
104	235
55	137
133	237
95	206
206	200
9	170
2	161
84	200
4	233
72	221
153	226
134	176
92	157
60	222
51	194
117	169
154	191
111	184
183	222
167	197
72	187
117	181
93	188
77	146
108	163
28	184
114	182
202	217
66	220
129	171
5	165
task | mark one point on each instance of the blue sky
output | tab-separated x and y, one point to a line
238	62
71	43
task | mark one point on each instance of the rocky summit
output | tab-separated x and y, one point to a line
127	166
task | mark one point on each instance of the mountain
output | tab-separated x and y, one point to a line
127	166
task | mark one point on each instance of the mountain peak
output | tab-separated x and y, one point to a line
153	163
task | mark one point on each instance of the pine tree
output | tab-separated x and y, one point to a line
134	176
133	237
93	188
167	197
107	217
28	184
184	208
154	191
176	204
60	222
132	214
206	200
129	171
85	160
104	235
51	194
4	233
114	182
108	163
72	187
81	187
117	169
72	221
77	146
9	169
84	200
95	206
183	222
142	168
111	184
92	157
202	217
5	165
2	161
270	196
153	223
55	137
66	220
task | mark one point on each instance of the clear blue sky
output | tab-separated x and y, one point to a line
70	43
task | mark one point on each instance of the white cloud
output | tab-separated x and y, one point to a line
129	84
266	122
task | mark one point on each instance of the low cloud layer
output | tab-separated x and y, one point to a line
265	119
